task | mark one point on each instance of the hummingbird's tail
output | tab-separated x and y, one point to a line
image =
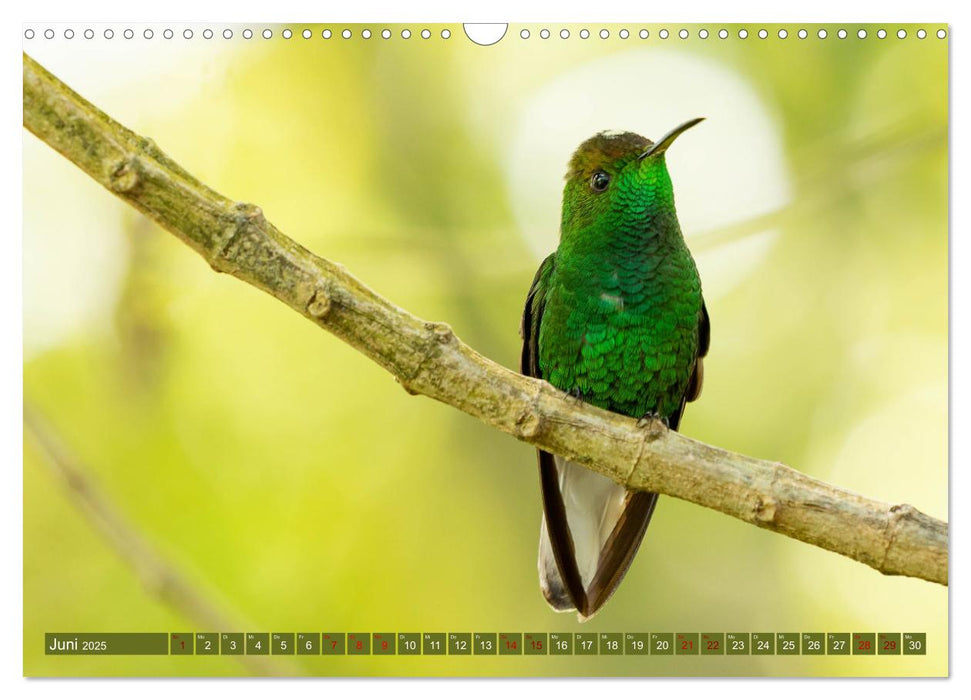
591	530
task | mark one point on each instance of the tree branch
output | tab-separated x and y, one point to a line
427	358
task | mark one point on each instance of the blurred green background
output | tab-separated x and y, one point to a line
299	488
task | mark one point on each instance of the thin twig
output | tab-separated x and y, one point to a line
159	577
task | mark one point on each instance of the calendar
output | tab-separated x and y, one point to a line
517	349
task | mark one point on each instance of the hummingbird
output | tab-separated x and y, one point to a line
615	318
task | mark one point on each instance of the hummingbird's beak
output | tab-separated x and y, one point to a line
662	145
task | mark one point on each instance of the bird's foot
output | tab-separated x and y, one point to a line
650	418
576	395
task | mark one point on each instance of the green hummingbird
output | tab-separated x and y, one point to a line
616	318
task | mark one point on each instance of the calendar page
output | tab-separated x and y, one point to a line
599	349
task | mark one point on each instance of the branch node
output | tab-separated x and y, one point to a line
529	423
895	514
148	145
240	217
124	176
441	332
764	509
438	334
249	214
319	304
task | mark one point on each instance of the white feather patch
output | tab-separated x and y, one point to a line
593	505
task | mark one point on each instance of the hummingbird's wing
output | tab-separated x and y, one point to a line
559	577
532	316
591	526
698	369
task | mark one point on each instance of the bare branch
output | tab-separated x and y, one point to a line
427	358
159	577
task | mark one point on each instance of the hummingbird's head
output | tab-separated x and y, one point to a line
619	181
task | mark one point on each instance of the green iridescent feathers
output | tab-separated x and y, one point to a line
621	296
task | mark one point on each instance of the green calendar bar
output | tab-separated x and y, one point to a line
333	643
488	643
864	643
611	644
409	644
637	644
282	643
888	643
180	644
738	643
686	643
712	644
308	643
662	643
837	644
813	644
536	644
231	643
585	644
106	643
485	643
257	643
433	643
510	644
459	644
207	643
561	643
915	643
383	644
358	644
787	643
763	643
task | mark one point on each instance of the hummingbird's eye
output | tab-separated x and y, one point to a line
599	181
